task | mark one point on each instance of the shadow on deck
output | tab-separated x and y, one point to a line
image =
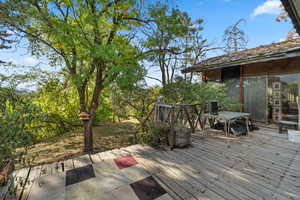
263	165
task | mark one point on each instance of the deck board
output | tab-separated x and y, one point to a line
263	165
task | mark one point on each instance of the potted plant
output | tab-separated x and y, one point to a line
182	135
294	135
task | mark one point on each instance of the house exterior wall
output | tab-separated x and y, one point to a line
277	67
265	74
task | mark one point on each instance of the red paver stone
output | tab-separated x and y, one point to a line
125	162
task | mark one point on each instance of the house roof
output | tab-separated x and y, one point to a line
293	8
274	51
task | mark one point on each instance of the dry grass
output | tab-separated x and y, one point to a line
106	136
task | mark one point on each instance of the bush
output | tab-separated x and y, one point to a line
18	116
158	132
59	103
185	92
134	103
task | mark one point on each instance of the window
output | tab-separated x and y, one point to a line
283	97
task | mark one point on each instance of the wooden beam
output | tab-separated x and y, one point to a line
242	96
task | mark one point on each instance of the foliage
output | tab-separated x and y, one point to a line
235	38
105	110
88	38
155	134
5	42
60	102
138	102
173	41
179	125
284	17
18	118
185	92
29	116
135	103
159	130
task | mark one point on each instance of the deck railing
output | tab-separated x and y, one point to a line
187	115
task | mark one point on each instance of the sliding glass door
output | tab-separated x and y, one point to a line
255	94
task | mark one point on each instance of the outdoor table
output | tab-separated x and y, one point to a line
228	117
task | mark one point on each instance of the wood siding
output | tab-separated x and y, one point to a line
277	67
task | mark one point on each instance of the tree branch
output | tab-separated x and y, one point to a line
153	78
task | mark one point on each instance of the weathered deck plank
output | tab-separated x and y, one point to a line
263	165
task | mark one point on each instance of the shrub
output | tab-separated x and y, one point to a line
185	92
18	116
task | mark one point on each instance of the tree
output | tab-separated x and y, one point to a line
184	92
284	17
196	47
19	119
235	38
87	37
138	101
169	39
5	42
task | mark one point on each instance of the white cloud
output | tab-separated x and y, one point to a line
269	7
281	39
30	60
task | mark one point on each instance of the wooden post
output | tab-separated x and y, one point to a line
204	78
172	132
242	96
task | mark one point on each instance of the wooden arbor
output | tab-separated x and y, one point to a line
187	115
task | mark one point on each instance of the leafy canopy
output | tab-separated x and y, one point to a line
80	35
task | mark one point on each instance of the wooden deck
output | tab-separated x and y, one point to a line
263	165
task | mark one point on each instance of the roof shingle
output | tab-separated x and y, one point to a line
248	55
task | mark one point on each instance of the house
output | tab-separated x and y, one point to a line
293	9
262	80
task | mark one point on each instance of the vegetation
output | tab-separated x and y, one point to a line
185	92
235	38
284	17
135	103
107	136
101	74
83	36
18	124
172	42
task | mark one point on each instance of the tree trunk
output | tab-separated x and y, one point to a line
88	135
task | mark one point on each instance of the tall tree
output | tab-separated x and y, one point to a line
235	38
196	47
168	40
89	38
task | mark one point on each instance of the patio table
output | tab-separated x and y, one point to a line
228	117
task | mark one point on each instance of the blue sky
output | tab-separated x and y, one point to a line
260	27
